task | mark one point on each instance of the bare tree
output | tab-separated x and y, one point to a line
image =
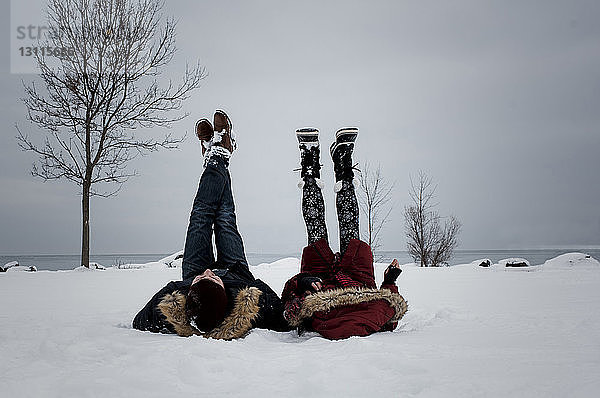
99	66
428	241
375	194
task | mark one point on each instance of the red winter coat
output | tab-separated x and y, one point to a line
350	303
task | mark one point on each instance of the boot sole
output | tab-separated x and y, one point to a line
345	136
306	135
229	125
228	130
208	137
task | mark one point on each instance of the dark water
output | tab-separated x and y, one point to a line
65	262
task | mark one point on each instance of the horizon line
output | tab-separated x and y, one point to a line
567	247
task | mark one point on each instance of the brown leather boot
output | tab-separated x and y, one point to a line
204	132
222	125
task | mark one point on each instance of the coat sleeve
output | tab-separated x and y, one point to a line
389	327
290	288
292	298
150	318
271	309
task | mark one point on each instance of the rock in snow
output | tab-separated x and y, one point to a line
93	266
572	261
14	266
484	262
9	265
514	262
22	268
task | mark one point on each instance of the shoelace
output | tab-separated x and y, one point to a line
321	165
308	159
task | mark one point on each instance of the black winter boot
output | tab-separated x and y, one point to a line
341	153
308	142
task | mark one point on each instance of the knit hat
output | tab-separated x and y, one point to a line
205	305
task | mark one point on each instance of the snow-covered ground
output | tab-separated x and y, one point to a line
470	332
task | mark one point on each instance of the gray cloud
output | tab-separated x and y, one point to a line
498	103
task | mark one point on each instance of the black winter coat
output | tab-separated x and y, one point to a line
251	304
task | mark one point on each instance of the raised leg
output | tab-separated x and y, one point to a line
230	247
214	206
313	205
348	214
346	203
313	211
198	252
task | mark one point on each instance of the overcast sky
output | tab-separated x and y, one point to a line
499	102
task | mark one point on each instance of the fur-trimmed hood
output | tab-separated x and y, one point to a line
237	324
330	299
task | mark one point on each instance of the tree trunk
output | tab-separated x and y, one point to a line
85	236
370	227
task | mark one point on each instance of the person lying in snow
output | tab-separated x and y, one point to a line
335	295
219	299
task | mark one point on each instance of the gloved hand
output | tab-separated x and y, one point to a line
391	273
310	283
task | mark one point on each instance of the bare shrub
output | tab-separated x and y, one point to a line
375	195
428	241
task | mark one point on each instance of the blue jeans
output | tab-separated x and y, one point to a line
213	208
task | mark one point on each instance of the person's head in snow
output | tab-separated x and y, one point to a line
335	293
206	301
217	298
